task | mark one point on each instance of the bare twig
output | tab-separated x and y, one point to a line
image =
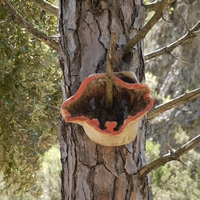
178	58
174	102
184	22
172	151
172	155
46	6
142	33
166	20
167	49
22	22
109	71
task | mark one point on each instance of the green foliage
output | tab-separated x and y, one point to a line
47	180
174	180
152	149
29	83
181	136
51	167
152	82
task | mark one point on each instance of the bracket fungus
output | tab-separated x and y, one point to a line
114	126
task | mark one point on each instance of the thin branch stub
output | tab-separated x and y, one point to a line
109	71
174	155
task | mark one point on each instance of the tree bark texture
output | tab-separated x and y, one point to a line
91	171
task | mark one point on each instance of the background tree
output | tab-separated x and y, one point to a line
29	83
104	160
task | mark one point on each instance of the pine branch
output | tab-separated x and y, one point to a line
46	6
142	33
22	22
188	96
172	155
191	33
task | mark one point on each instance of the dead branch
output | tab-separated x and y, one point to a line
149	25
22	22
46	6
167	49
109	71
172	155
188	96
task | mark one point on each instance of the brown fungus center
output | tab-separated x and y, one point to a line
91	103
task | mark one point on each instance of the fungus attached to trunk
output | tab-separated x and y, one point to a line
109	126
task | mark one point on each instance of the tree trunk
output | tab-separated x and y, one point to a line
91	171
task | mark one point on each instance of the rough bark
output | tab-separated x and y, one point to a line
91	171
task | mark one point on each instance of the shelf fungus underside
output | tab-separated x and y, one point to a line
109	127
